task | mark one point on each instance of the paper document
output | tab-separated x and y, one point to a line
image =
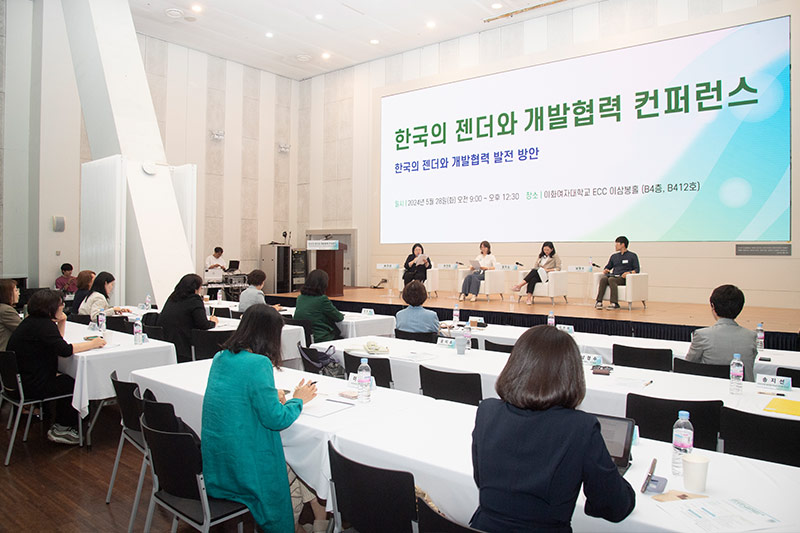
420	259
475	264
542	274
320	407
414	356
718	515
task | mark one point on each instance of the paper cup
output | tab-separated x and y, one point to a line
461	345
695	472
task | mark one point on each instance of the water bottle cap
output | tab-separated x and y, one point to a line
737	356
683	415
761	324
363	360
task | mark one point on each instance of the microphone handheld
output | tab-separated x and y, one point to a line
518	264
596	265
459	263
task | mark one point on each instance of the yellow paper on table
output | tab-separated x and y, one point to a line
783	406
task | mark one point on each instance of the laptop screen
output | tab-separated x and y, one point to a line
233	264
617	434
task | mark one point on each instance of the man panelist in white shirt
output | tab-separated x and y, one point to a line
215	260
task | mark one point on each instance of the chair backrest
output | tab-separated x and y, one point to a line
649	358
130	404
432	522
236	314
119	323
150	319
9	372
495	347
790	373
79	319
370	498
380	367
760	437
207	342
310	358
308	328
154	332
682	366
161	416
656	416
463	388
176	461
417	336
222	312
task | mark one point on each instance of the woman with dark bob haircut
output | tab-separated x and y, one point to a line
38	342
416	265
532	449
313	305
243	415
184	311
415	318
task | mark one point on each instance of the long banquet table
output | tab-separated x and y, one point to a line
432	440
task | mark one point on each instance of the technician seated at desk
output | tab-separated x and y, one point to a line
415	318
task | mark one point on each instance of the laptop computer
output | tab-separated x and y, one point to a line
233	266
618	435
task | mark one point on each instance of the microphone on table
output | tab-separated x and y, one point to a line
459	263
518	264
596	265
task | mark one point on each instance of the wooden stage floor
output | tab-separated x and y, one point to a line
684	314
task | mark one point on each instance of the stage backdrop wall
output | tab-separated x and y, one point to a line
679	271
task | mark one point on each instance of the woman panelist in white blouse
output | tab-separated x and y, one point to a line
472	283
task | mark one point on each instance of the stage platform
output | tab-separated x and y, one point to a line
659	320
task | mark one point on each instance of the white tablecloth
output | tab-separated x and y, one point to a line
91	369
432	440
290	336
604	394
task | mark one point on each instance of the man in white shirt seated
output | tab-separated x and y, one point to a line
216	260
717	344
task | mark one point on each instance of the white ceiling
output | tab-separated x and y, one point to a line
235	29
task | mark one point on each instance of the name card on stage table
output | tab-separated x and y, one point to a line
322	245
769	383
579	268
448	266
388	266
506	267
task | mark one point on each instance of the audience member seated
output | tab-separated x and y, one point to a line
415	318
66	281
535	424
9	318
472	283
98	299
247	465
717	344
548	260
38	343
184	311
416	265
254	294
313	305
84	283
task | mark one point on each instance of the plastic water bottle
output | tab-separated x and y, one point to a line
148	303
591	263
551	319
456	315
364	381
137	330
682	441
468	336
101	320
760	337
737	374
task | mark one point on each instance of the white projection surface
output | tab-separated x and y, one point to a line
686	139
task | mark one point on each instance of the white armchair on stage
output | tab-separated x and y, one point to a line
431	282
555	286
634	290
494	282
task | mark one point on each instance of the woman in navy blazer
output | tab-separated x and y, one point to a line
532	450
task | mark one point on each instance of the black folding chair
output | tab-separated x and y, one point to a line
463	388
221	312
426	336
648	358
119	323
370	498
154	332
761	437
79	319
656	416
150	319
130	405
495	347
682	366
380	367
207	342
178	483
13	393
308	329
790	373
432	522
236	314
161	416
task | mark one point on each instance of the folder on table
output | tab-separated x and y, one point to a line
783	406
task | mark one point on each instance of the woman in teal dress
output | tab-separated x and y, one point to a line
243	414
313	305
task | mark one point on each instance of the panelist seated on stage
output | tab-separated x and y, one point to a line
549	261
184	311
98	299
216	260
717	344
415	318
483	262
619	265
313	305
532	450
416	265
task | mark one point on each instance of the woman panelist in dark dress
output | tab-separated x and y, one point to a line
532	450
416	265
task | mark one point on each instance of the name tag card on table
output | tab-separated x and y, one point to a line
566	328
448	266
388	266
446	341
768	383
368	312
506	267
